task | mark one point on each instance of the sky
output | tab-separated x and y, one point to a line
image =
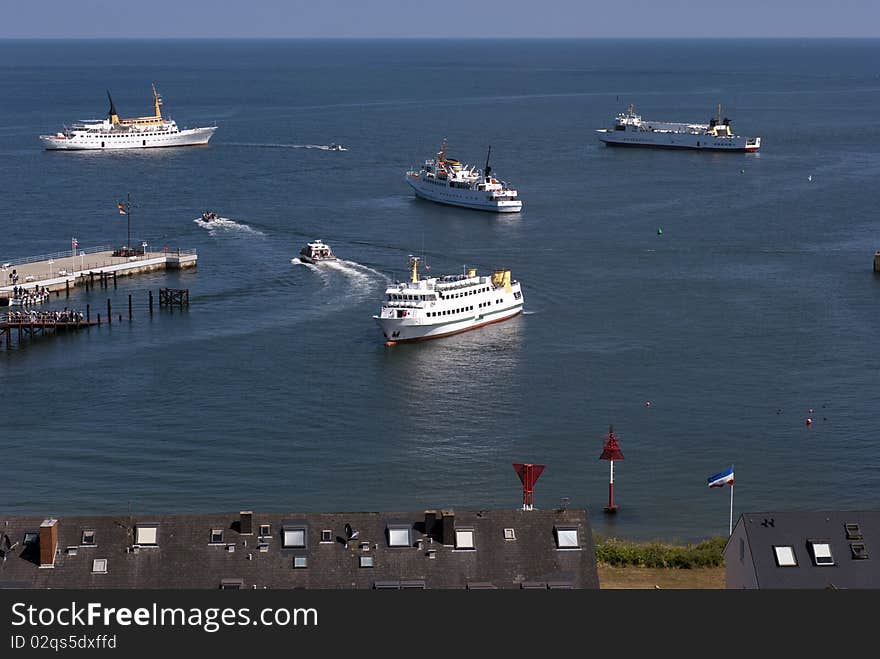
418	18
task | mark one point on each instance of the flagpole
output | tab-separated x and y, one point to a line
730	532
128	215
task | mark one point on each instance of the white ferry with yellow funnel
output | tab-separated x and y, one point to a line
446	181
114	132
422	309
631	130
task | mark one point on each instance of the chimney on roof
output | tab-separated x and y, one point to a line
246	522
48	542
448	527
430	522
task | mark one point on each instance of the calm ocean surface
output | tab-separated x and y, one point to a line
274	390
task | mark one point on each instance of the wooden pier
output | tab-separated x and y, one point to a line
63	271
28	327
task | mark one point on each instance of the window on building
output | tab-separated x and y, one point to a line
231	584
509	534
464	539
326	535
99	566
399	536
784	556
294	536
88	537
567	537
216	536
859	550
265	530
146	535
365	561
300	561
821	553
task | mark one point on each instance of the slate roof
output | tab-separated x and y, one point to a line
797	530
185	557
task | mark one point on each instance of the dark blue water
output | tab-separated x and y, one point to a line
274	391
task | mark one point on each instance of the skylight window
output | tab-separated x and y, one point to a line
365	561
399	536
509	534
99	566
326	535
300	561
784	556
294	537
88	538
265	530
567	537
216	536
146	535
464	539
821	553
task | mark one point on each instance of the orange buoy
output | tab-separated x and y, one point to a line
390	343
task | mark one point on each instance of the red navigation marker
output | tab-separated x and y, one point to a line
528	474
611	452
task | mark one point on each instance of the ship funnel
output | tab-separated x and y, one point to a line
414	264
487	169
471	272
112	113
501	278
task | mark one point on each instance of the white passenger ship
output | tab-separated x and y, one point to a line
135	133
631	130
447	181
422	309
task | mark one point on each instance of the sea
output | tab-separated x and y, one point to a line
705	305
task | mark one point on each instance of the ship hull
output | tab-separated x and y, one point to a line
400	331
656	140
473	199
189	137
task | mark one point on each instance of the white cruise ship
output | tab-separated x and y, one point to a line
447	181
135	133
434	307
631	130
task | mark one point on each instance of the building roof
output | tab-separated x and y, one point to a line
332	550
852	537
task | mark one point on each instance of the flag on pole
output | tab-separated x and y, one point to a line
722	479
74	242
122	210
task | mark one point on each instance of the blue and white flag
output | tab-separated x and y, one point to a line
722	479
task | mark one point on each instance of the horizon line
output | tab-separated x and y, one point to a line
440	38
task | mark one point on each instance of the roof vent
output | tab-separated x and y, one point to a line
853	531
768	522
859	550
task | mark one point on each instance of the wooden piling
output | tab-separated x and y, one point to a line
114	279
99	319
129	306
151	302
88	312
109	313
66	288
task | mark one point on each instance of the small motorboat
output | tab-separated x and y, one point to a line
337	147
209	216
315	252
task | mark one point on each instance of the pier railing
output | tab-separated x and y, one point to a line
66	254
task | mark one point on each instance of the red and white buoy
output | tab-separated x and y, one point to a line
809	421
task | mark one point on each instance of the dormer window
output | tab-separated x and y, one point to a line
399	536
88	538
327	535
216	536
265	530
567	537
146	535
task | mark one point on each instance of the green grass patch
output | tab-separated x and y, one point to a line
613	551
